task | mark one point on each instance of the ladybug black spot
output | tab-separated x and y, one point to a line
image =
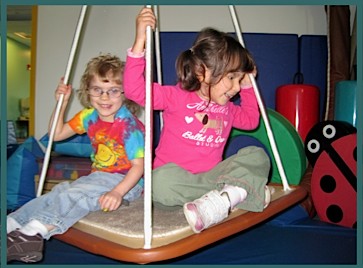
328	184
334	213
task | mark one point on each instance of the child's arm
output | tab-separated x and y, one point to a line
246	81
113	199
133	78
144	18
63	130
247	115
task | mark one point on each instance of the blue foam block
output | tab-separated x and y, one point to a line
345	101
77	145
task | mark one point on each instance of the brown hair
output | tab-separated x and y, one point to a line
108	68
215	50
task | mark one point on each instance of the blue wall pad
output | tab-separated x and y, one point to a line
276	56
313	54
171	45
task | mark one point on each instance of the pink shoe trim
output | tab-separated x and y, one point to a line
193	217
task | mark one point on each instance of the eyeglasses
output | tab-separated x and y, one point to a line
98	92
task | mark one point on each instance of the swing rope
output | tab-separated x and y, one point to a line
60	100
262	107
148	140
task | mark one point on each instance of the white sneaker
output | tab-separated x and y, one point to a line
269	190
234	194
207	210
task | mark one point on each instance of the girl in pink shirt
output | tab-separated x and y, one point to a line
198	117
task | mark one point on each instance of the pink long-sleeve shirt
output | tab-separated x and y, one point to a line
184	140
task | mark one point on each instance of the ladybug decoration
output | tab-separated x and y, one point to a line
331	148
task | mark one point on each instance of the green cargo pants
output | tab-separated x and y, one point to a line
173	186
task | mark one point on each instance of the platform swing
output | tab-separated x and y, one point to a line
141	234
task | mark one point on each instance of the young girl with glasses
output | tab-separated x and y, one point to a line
117	139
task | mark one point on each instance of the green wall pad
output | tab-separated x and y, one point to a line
289	145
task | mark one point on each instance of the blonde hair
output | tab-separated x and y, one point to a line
108	68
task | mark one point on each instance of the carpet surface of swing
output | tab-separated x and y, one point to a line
120	235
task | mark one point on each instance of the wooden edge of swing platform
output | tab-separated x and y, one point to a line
100	246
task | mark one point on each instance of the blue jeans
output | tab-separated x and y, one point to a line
69	202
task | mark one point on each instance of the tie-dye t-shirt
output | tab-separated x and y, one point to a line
114	144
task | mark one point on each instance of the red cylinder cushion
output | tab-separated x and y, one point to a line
299	103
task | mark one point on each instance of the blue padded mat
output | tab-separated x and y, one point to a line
307	241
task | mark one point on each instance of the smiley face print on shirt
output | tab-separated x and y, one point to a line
105	156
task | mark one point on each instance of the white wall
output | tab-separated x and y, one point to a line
111	29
